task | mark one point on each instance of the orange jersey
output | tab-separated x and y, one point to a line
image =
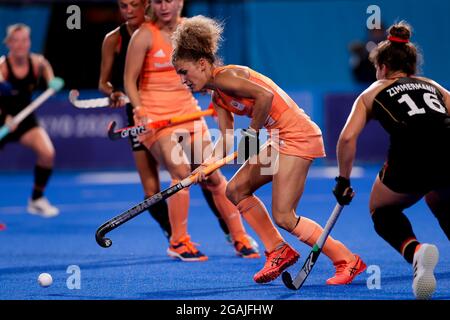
296	133
161	91
244	106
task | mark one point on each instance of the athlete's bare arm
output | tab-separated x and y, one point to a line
109	46
226	126
235	83
140	43
223	144
357	120
3	69
42	67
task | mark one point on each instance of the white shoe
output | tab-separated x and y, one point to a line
424	262
42	208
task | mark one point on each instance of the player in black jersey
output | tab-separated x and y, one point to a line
415	113
22	70
114	52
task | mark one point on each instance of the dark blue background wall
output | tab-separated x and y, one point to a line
297	43
302	45
306	42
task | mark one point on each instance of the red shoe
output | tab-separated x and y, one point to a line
185	250
2	226
276	261
346	272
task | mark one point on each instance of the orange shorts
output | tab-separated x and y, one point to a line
296	135
191	127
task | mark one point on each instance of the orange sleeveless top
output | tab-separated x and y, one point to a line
244	106
162	93
292	132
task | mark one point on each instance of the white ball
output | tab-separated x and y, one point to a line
45	280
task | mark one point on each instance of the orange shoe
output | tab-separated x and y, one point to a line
185	250
244	248
276	261
346	272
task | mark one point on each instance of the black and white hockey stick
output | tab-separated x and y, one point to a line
141	207
90	103
300	278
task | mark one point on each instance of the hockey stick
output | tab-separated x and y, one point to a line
90	103
53	86
113	223
300	278
137	130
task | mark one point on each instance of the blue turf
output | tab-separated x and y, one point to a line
137	267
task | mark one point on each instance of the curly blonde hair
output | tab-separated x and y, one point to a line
197	37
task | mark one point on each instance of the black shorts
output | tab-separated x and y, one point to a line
421	179
135	144
26	125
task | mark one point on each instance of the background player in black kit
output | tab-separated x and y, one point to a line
22	70
114	52
415	113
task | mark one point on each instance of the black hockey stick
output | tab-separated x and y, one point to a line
124	132
141	207
139	129
300	278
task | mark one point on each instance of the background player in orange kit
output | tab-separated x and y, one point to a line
240	90
415	113
114	52
162	96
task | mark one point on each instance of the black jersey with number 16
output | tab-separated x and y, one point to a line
413	112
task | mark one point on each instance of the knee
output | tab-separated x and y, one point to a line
217	185
46	158
150	190
231	192
215	180
285	220
386	217
441	210
179	173
438	207
378	215
236	192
